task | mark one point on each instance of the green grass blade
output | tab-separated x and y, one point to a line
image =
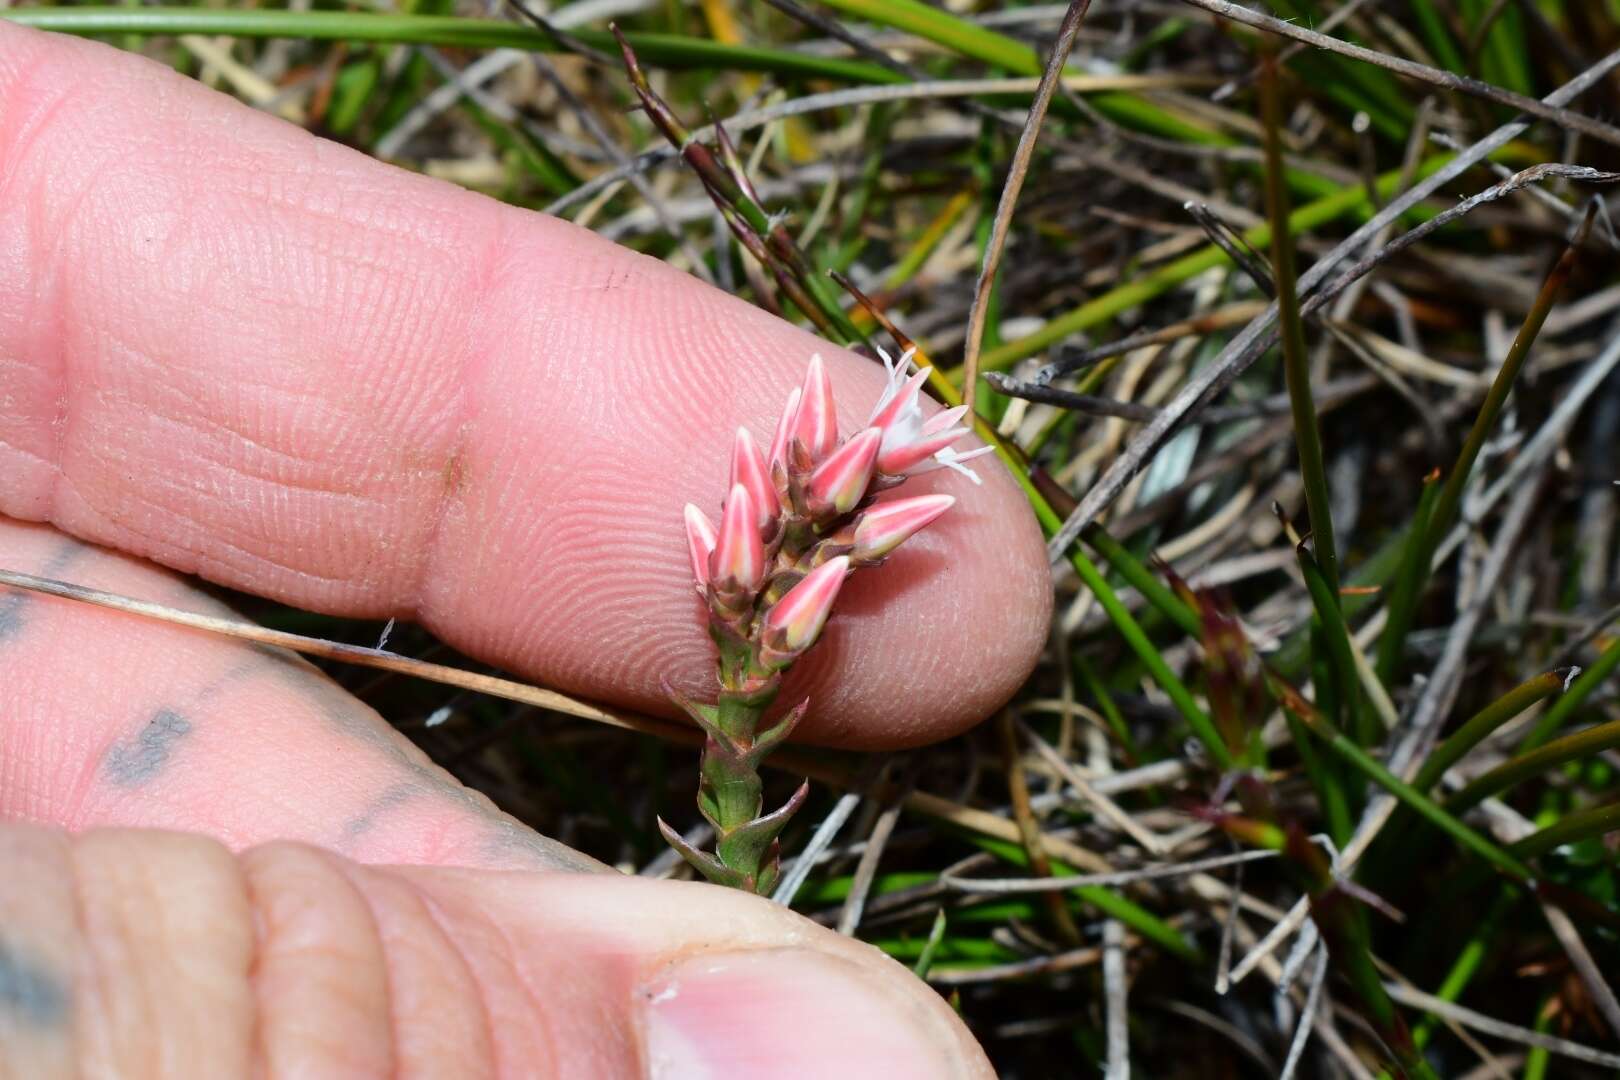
664	50
1468	962
1296	364
1579	690
1450	498
1144	580
1016	58
936	934
1335	632
1587	824
1573	747
1203	728
1443	819
1402	601
1481	724
1112	904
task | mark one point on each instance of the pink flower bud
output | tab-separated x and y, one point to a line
794	623
699	542
738	562
888	525
839	482
748	469
817	423
897	461
785	427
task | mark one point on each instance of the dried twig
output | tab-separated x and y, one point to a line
1009	197
1417	999
1115	989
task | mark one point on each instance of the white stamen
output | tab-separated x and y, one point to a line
950	459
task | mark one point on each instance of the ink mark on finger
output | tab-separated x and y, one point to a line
29	993
394	796
136	760
14	602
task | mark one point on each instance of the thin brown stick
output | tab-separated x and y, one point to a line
849	919
1219	319
1009	197
1090	404
1447	1010
361	655
1030	830
1602	994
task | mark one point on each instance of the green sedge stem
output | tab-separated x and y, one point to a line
1353	703
1481	724
1145	581
1442	819
1445	507
1468	962
1594	740
1296	365
1202	727
665	50
1402	601
1574	697
1586	824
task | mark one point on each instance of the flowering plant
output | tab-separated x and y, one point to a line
797	520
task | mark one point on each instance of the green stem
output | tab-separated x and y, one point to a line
1296	364
1202	727
1402	600
1352	702
1481	724
1594	740
664	50
1145	581
1359	759
1586	824
1325	780
1468	962
1445	507
1579	690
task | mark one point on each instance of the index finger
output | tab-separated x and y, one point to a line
271	361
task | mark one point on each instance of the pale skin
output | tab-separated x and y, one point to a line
241	353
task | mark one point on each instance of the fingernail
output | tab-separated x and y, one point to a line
792	1013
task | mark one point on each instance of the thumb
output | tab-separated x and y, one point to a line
148	953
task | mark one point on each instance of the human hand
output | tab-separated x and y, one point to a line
243	353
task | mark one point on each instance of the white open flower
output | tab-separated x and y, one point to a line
911	444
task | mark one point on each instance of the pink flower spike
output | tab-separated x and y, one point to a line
748	469
738	562
785	428
794	623
839	482
817	422
898	461
699	542
885	527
